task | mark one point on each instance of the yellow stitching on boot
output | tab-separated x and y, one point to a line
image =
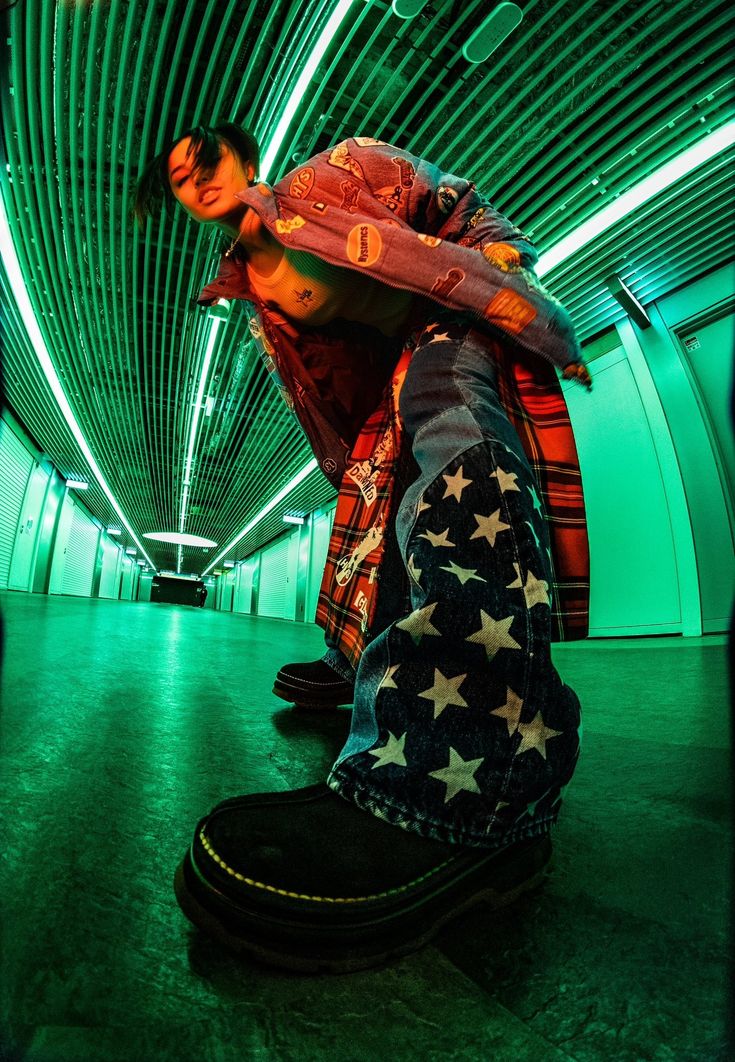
304	896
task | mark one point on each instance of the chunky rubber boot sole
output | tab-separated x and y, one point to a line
306	694
338	936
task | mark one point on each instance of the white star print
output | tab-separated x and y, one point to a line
510	711
489	527
438	540
422	506
506	480
387	680
413	571
535	735
534	591
444	692
455	484
419	623
440	337
390	753
459	774
463	574
494	634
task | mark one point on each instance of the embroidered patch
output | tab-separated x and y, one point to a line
342	159
444	286
364	245
368	141
407	171
510	311
350	193
430	241
446	199
503	255
347	566
302	183
284	228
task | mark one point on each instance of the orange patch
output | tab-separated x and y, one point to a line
302	183
503	255
364	245
510	311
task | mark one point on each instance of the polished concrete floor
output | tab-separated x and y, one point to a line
122	722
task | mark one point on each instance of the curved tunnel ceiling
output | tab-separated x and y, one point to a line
580	103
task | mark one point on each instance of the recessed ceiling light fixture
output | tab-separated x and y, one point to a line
77	484
178	538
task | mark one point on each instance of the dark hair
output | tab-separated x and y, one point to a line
153	189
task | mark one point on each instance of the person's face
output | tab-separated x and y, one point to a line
208	195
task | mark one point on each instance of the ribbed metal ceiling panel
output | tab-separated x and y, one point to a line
577	106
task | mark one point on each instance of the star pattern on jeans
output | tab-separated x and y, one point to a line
392	752
387	682
413	571
494	634
510	711
444	692
535	735
463	574
438	540
489	527
419	623
459	774
534	590
455	485
506	480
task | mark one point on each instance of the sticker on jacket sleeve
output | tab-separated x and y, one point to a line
447	199
503	255
430	241
368	141
407	171
444	286
350	194
342	159
510	311
284	228
364	245
302	183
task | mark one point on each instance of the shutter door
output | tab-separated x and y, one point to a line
277	594
16	465
81	554
321	530
110	569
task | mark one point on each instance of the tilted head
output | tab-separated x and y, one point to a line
202	169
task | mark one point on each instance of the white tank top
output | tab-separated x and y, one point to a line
309	290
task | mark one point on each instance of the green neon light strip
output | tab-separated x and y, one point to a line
325	39
300	476
15	278
683	164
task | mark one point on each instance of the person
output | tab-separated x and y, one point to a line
399	313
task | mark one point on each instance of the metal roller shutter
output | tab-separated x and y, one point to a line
110	569
81	554
16	465
277	594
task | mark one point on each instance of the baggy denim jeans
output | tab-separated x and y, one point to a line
462	730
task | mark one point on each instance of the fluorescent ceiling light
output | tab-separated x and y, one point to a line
301	87
77	484
115	531
689	160
267	508
178	538
20	294
131	550
288	519
229	564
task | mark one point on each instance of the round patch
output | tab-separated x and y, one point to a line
364	245
329	464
